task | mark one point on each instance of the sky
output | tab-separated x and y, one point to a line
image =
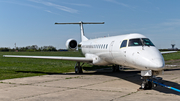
31	22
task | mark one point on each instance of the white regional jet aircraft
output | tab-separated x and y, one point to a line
132	50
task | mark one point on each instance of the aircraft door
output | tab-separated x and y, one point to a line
123	52
110	49
90	48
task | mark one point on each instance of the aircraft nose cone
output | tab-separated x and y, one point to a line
157	63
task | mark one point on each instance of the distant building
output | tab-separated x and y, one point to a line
173	46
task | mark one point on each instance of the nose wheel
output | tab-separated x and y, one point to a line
146	85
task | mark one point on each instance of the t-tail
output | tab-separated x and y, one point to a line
83	37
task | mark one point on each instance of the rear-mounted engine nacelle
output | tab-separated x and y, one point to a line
71	44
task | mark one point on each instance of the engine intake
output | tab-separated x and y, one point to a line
71	44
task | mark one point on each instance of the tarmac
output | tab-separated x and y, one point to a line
91	86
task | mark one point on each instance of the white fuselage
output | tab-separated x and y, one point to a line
108	50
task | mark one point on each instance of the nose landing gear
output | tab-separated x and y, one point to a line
148	83
148	77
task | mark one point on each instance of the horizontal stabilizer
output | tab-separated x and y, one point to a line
82	23
83	38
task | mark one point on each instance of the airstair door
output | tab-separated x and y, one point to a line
111	49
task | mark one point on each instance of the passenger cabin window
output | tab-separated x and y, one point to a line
123	44
135	42
147	42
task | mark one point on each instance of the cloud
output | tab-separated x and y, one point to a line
172	22
119	3
22	4
51	12
77	4
63	8
169	25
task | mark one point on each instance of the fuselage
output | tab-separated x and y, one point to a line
133	50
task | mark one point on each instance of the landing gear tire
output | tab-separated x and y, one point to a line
115	68
146	85
78	70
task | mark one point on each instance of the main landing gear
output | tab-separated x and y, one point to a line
117	68
78	68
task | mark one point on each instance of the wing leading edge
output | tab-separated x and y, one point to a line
78	59
168	52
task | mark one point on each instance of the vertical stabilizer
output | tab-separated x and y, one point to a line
83	38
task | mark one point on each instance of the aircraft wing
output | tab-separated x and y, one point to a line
78	59
168	52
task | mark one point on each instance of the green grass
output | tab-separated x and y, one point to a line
25	67
172	56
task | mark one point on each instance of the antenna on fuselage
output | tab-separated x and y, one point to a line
83	38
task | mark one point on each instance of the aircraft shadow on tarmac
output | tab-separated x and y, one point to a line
131	76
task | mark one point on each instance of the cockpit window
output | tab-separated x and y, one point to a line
123	44
147	42
135	42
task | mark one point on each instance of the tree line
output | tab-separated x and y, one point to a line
32	48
